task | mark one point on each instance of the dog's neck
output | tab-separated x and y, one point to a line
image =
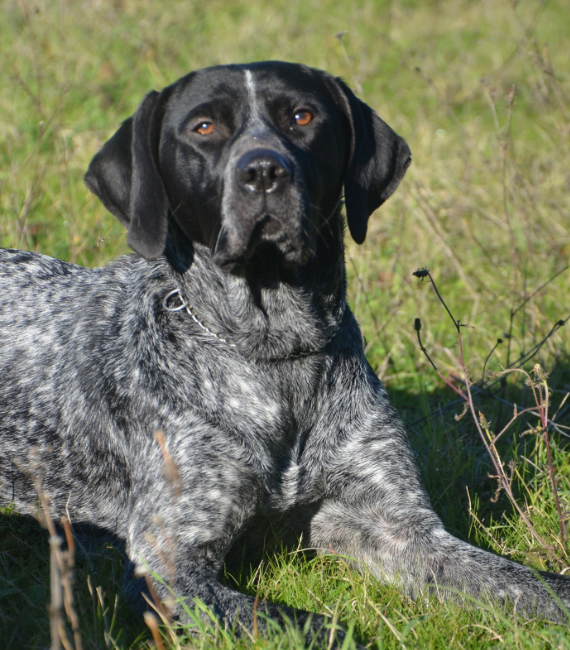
268	312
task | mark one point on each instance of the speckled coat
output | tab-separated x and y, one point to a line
270	413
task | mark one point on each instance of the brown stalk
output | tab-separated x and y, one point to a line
152	623
488	439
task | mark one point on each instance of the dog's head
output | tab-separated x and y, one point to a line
243	155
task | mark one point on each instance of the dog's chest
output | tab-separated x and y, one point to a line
240	397
266	412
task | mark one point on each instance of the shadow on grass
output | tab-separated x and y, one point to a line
452	459
105	617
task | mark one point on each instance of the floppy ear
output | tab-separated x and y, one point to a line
124	176
377	163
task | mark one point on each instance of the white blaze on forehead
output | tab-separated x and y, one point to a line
251	95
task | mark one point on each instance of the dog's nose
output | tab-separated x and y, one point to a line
263	170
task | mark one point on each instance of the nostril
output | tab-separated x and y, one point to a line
248	175
277	171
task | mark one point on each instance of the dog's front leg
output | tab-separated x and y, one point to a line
376	511
196	583
185	515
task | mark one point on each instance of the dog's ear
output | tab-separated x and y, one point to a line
125	176
378	159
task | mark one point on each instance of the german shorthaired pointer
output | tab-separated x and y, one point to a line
228	331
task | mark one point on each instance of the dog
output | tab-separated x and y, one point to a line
214	383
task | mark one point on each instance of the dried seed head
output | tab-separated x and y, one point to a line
539	373
141	571
483	421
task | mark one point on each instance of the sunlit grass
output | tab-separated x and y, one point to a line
480	90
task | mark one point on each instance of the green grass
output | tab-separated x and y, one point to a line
485	206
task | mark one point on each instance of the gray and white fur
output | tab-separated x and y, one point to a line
230	183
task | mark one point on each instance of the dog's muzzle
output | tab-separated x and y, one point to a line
262	205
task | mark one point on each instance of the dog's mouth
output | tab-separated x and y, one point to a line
266	256
267	238
266	228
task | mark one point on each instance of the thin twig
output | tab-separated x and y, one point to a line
539	289
499	341
339	36
543	405
418	327
487	437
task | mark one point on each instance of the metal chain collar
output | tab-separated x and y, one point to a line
185	305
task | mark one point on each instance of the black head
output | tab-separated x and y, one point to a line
246	154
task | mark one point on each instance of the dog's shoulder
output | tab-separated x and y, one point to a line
26	270
48	299
17	263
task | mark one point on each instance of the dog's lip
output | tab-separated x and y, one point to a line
284	249
230	265
228	262
224	256
266	230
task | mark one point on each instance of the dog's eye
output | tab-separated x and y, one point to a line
205	128
302	117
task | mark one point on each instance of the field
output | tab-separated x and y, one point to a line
480	89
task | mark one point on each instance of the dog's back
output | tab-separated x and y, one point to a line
57	338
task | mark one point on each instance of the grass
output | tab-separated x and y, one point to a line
481	92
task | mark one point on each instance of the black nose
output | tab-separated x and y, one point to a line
263	170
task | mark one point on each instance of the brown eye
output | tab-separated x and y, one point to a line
205	128
302	118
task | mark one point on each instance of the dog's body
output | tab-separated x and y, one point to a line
230	183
